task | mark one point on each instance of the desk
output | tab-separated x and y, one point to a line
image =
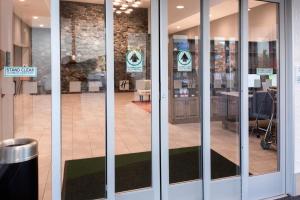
232	109
233	94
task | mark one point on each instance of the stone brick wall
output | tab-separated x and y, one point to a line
83	35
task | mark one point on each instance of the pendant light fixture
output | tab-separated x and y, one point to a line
125	6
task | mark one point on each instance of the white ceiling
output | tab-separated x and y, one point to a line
29	8
190	15
183	18
41	8
145	3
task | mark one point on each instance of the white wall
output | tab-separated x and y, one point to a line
296	61
262	20
261	23
296	64
6	44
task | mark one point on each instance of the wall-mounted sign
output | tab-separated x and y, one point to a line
134	61
20	71
124	85
184	61
264	71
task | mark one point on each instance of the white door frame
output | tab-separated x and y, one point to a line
55	101
273	184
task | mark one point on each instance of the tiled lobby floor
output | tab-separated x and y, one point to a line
83	131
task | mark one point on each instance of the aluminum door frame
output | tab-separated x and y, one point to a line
186	190
244	183
197	189
161	186
152	193
275	180
55	101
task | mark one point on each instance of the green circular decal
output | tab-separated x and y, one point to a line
134	58
184	57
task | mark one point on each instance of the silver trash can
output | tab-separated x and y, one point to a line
19	169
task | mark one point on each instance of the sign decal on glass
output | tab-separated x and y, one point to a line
264	71
134	61
184	61
17	71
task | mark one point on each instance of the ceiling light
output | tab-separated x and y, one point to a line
118	11
35	17
126	5
21	0
210	16
249	9
41	25
178	27
180	7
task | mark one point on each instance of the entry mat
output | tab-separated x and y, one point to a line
85	178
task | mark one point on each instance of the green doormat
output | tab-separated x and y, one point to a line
85	178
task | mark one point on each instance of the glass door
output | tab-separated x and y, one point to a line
83	99
136	99
181	74
110	99
266	99
172	99
225	99
221	108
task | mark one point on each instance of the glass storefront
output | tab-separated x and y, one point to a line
136	98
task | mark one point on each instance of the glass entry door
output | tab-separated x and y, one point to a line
266	72
110	99
222	115
172	99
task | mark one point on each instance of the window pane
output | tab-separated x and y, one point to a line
225	89
83	87
132	53
185	154
263	83
25	98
